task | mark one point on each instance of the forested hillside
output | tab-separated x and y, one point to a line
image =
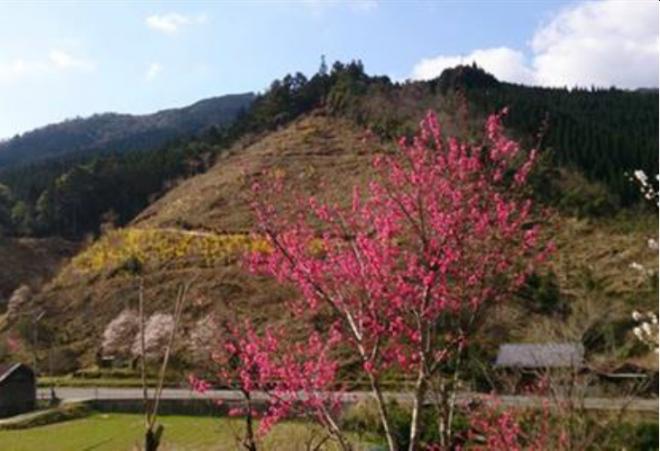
602	133
597	135
120	132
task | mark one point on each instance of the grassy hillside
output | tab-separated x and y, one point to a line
198	232
315	149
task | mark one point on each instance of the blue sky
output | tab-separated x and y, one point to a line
64	59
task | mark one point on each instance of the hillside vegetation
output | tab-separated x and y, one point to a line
199	231
320	135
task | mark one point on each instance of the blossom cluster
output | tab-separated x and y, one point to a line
296	378
119	333
647	329
157	330
646	187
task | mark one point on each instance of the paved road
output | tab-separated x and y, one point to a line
634	404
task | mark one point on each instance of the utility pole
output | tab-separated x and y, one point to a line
35	338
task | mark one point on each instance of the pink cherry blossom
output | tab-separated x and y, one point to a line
405	272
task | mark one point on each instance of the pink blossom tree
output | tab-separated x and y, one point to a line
493	428
410	270
293	380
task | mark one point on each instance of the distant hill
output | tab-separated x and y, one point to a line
120	132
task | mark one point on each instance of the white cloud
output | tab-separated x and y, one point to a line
153	71
65	61
19	68
318	7
504	63
57	61
173	22
364	5
601	43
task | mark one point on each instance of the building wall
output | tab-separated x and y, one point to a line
18	393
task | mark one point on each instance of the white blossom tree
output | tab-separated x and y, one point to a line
18	301
120	334
203	338
157	331
647	328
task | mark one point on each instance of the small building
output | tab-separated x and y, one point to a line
18	389
540	356
520	365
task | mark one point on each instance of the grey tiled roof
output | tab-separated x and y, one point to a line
548	355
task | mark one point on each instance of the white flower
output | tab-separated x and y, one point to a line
647	330
641	177
637	267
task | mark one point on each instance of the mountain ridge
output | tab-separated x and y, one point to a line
120	131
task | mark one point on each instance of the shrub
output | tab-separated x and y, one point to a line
541	294
632	437
58	414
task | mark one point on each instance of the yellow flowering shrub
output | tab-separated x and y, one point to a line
159	246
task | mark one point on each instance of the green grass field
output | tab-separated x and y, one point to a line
119	432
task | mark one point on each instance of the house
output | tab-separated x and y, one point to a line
18	389
521	365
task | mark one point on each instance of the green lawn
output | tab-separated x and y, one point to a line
118	432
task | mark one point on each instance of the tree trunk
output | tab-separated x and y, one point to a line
249	442
382	410
418	404
152	439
